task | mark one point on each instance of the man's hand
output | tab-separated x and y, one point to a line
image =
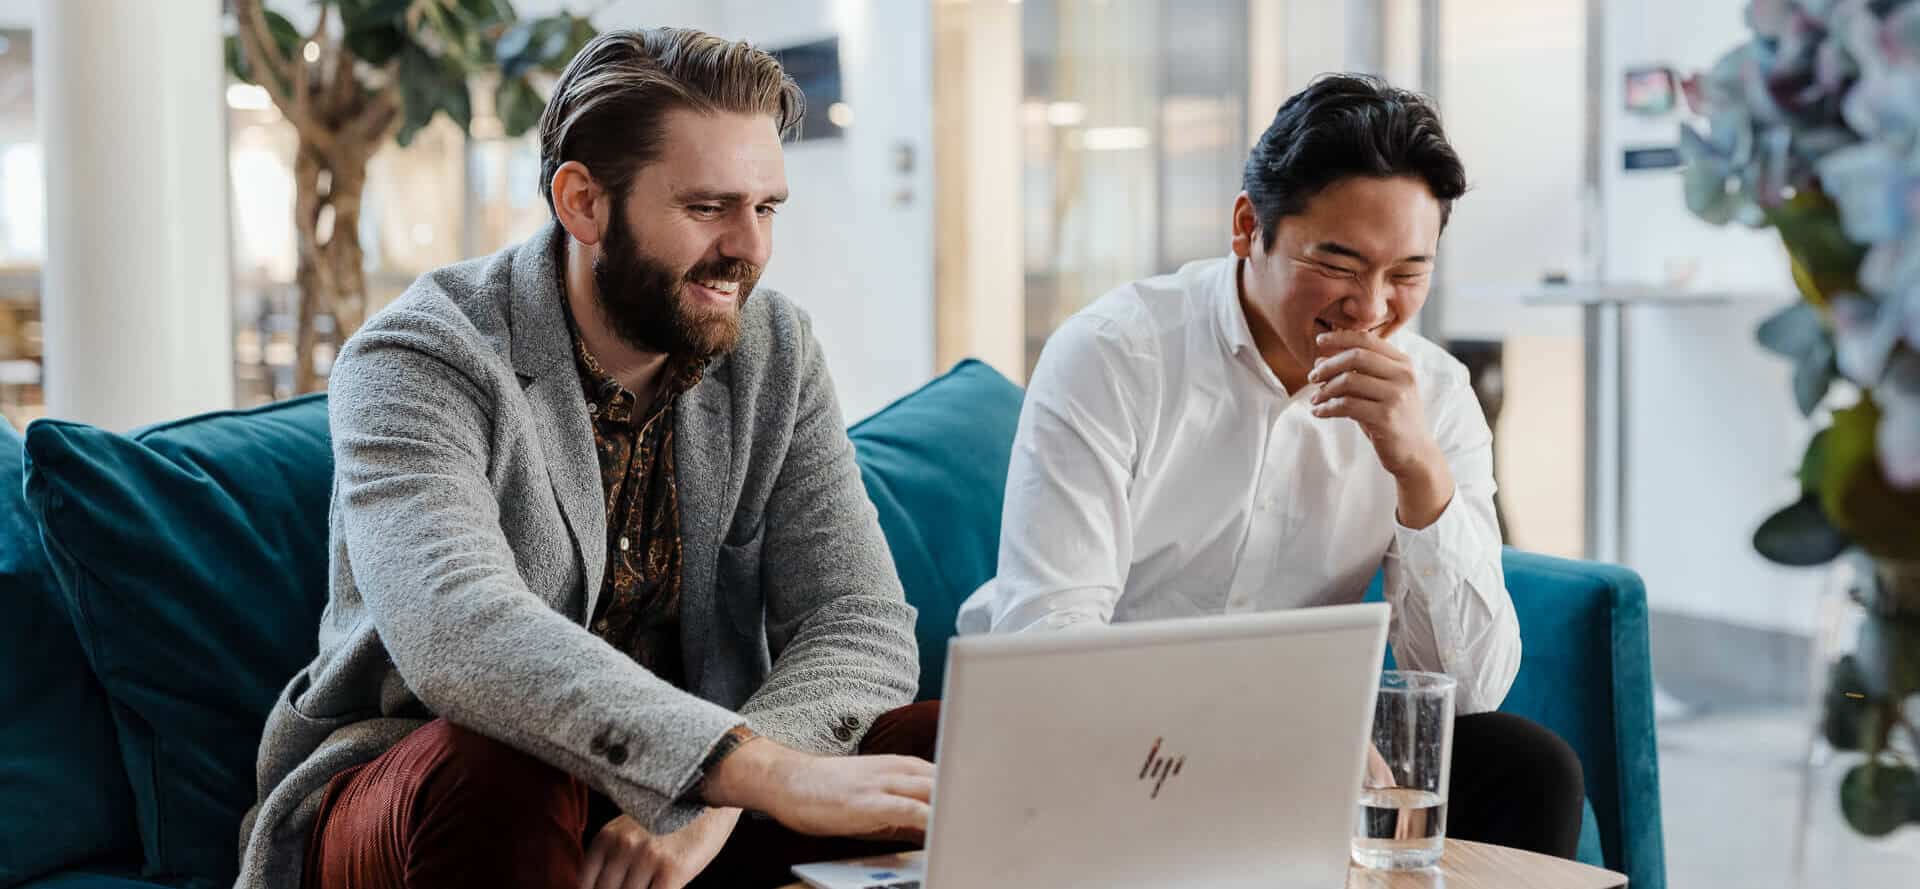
875	797
1365	379
625	856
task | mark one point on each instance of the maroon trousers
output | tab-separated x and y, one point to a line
448	806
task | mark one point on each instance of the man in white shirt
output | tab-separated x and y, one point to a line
1267	431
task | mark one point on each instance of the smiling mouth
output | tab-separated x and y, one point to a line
722	291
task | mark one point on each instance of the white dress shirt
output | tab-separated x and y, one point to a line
1162	470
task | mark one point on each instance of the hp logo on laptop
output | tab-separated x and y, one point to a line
1159	768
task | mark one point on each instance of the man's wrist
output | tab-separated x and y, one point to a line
744	778
1424	491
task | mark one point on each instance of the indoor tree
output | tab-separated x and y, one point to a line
370	72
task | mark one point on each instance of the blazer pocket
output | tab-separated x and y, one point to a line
292	727
739	587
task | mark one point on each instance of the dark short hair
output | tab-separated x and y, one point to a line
1345	125
607	106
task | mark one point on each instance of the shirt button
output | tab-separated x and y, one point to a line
625	544
850	722
600	626
843	733
617	753
593	408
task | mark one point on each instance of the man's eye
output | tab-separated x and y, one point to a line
1410	277
706	209
766	210
1336	271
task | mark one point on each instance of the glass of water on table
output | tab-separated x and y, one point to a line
1402	822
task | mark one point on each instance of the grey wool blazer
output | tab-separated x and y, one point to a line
468	538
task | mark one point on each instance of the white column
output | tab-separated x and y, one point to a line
138	316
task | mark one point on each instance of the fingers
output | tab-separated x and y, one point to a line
613	872
596	863
903	813
641	872
1366	412
1363	361
911	765
1342	340
917	787
1354	384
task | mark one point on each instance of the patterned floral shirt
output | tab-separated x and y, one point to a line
639	606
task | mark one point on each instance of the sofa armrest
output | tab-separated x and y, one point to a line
1586	674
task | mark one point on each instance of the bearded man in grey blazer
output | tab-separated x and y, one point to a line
603	571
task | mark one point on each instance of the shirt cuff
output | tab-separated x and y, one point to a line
1430	554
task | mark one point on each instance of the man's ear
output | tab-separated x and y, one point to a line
580	204
1246	226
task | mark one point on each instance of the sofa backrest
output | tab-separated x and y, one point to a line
64	798
192	556
935	465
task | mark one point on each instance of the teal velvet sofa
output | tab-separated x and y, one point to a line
160	587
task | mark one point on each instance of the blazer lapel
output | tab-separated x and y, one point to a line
542	347
703	464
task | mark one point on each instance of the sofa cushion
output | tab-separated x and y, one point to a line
193	558
935	465
63	795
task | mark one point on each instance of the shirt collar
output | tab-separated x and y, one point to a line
1230	321
609	400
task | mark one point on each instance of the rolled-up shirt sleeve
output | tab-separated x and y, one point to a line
1451	610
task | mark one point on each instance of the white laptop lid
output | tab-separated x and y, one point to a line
1217	751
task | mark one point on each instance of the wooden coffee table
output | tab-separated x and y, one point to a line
1470	865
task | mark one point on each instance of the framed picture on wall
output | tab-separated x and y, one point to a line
1650	91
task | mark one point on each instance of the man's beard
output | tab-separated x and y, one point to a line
646	302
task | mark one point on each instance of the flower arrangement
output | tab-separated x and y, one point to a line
1813	129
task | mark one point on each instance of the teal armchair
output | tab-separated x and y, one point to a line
935	464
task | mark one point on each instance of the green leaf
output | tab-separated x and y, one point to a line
237	60
1847	707
514	51
1856	497
1799	535
419	92
1813	375
1888	654
1813	462
1792	332
285	35
359	13
518	105
1877	798
551	39
487	11
375	44
579	34
1826	260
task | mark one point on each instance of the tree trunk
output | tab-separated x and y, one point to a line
314	277
349	261
332	274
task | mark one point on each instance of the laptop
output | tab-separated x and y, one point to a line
1215	751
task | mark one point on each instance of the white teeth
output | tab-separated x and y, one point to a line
722	286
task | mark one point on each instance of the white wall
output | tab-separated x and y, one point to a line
1521	139
1713	434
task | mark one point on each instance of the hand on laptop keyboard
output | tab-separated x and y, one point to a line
876	797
